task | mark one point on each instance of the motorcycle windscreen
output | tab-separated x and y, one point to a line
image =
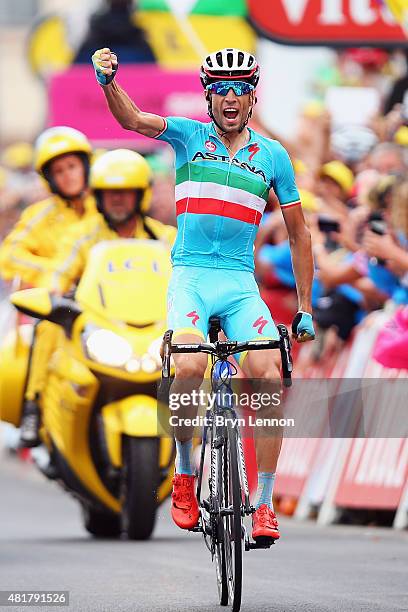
127	280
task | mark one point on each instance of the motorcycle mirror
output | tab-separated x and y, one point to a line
33	302
41	304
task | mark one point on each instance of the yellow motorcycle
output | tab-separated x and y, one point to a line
102	425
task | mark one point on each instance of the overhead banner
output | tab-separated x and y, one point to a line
335	23
76	100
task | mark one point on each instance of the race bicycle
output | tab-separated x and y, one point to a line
222	513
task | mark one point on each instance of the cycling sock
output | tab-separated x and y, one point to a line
183	457
264	491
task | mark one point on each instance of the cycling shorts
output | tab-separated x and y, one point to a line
197	293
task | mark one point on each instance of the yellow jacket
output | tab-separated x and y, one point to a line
28	249
72	255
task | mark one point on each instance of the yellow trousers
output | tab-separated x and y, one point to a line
46	340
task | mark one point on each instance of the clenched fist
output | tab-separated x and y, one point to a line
105	63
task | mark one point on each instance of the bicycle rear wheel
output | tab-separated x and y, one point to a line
229	549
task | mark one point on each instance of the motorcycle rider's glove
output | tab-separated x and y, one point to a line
302	327
101	77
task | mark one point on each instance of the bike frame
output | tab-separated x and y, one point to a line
221	387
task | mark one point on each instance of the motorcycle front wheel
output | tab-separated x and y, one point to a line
140	481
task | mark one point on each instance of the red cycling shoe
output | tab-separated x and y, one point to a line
265	524
184	506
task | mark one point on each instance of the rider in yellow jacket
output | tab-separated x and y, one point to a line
62	158
121	182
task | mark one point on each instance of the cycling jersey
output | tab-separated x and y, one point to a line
219	200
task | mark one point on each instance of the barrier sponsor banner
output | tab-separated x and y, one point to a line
374	474
295	465
76	100
376	468
326	22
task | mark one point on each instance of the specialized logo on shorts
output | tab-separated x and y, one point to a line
253	149
170	303
194	317
260	324
210	146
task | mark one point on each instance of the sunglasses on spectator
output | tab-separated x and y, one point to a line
221	88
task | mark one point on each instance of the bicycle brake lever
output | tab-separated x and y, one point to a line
286	356
165	353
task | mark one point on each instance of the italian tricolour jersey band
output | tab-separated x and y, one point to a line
193	189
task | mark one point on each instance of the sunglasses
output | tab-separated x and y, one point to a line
221	88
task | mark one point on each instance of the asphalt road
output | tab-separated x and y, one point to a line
43	546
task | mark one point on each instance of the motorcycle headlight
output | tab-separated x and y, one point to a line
108	348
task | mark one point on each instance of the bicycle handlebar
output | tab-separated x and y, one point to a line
223	349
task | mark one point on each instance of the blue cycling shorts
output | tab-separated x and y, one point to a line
196	293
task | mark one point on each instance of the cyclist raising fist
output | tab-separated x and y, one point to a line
106	64
224	172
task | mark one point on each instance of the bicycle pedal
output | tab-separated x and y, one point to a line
261	542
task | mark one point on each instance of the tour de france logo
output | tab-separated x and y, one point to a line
210	146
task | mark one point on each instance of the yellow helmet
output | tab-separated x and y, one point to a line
123	169
18	155
58	141
340	173
401	136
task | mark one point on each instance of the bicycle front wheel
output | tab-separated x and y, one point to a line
231	541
